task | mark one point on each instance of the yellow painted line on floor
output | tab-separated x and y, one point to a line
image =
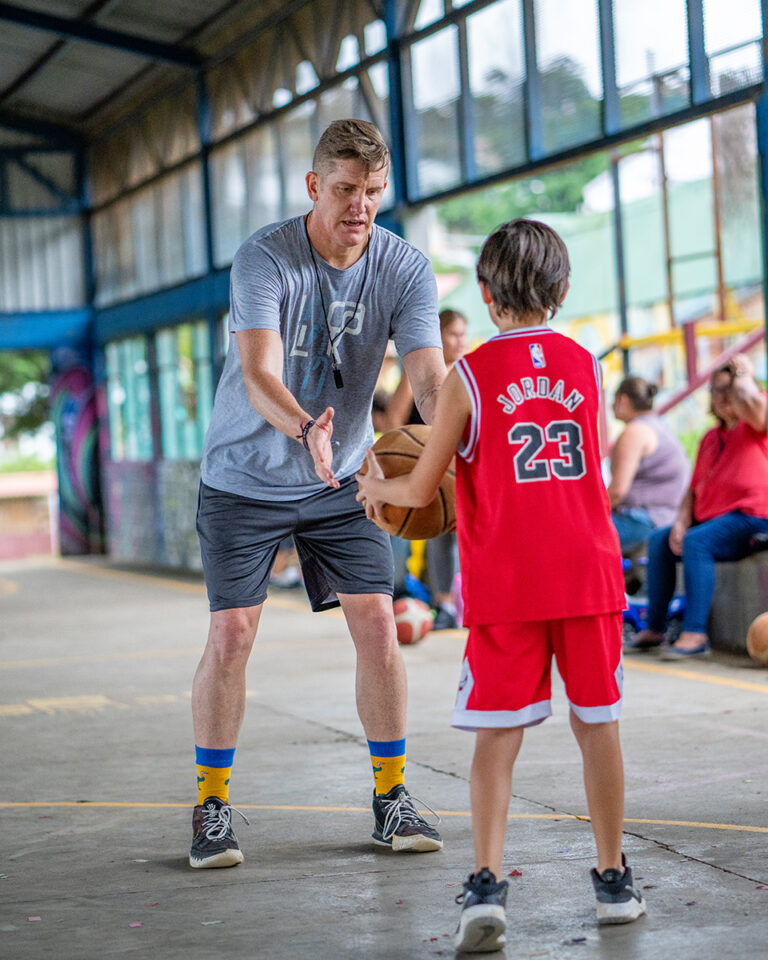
168	653
87	568
299	808
300	603
695	675
7	587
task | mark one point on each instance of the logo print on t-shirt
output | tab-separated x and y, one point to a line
537	355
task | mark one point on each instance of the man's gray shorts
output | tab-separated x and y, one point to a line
340	549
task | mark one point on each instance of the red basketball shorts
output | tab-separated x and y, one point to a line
506	673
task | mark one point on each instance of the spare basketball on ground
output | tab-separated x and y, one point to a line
413	619
397	452
757	639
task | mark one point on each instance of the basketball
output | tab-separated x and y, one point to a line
397	452
413	620
757	639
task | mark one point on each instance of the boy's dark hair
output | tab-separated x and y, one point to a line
525	266
639	392
351	140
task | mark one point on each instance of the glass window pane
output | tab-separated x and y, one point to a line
568	58
374	37
262	180
566	198
739	206
128	396
429	11
651	63
732	33
496	77
186	389
296	148
435	77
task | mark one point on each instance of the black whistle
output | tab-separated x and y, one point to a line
337	378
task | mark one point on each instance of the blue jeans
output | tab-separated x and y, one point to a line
633	526
726	537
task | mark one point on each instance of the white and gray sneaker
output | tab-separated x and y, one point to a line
399	825
214	843
617	899
484	914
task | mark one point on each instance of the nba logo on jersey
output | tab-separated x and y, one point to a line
537	355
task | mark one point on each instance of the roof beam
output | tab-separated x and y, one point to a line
91	33
65	137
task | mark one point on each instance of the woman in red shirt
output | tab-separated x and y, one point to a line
726	504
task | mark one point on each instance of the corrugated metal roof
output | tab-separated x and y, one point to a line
70	62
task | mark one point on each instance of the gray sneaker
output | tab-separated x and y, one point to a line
617	899
484	914
214	843
399	825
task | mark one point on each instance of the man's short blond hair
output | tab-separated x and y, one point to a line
351	140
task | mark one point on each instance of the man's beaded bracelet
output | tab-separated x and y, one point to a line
305	428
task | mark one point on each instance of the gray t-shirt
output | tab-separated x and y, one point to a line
273	286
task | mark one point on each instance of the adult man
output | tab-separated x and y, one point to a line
314	301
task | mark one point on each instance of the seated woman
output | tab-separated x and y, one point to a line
649	467
726	504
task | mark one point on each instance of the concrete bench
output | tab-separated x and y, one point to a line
741	594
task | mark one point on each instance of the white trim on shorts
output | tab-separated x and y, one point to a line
603	714
472	720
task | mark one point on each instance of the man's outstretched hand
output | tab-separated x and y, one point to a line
321	448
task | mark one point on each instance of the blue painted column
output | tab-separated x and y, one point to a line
761	116
397	109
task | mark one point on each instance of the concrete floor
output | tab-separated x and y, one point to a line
98	778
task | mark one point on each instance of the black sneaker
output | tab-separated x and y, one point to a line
400	826
617	899
444	620
214	843
483	916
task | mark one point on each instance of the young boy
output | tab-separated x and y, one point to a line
540	562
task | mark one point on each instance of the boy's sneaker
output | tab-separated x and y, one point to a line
214	843
399	825
617	900
483	916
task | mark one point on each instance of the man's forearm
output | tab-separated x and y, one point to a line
272	400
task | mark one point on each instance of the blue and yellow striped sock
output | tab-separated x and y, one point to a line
388	759
214	768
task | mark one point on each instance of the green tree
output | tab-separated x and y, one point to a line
23	392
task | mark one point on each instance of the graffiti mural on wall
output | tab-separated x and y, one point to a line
74	415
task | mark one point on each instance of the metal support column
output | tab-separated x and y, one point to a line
611	103
761	119
621	283
204	136
397	123
533	127
697	54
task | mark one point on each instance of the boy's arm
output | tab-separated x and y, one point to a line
417	488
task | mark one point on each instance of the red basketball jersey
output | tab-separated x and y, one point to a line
536	541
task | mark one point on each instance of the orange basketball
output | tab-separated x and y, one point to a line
397	452
757	639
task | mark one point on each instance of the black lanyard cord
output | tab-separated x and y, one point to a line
337	378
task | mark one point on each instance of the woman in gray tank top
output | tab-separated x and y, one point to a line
650	470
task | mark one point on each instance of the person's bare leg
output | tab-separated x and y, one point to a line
381	685
218	690
490	786
604	784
